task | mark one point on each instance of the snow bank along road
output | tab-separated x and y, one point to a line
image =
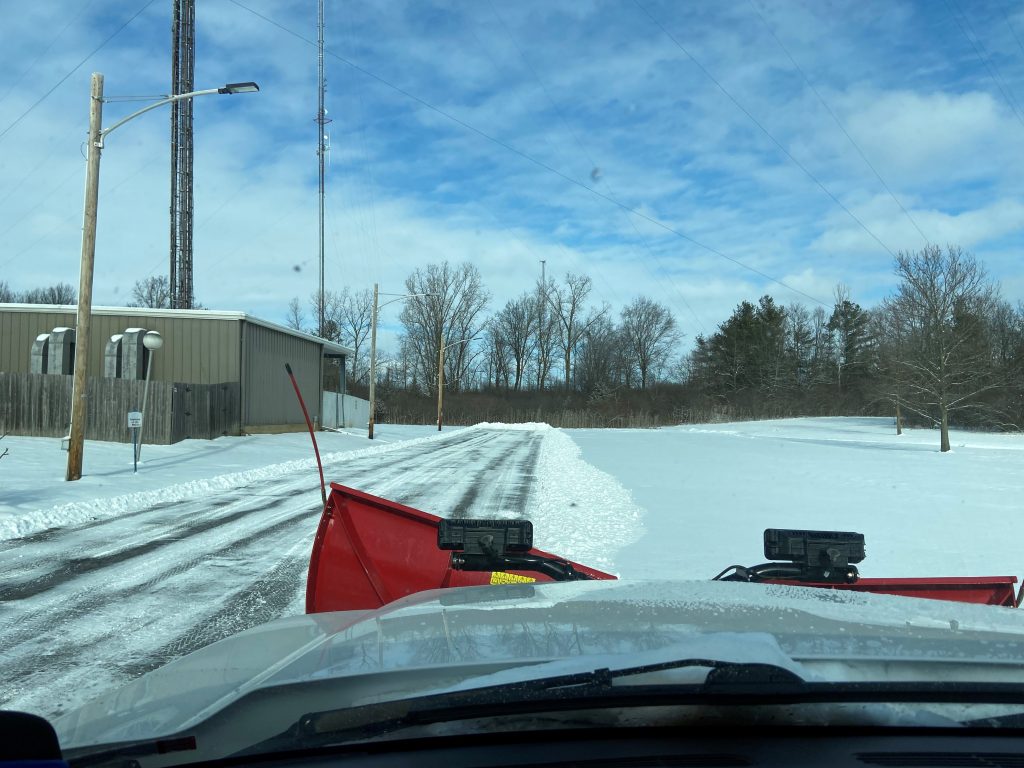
87	607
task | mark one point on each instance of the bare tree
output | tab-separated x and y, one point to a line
336	310
799	346
890	329
7	296
649	333
942	304
516	324
567	302
597	357
295	319
448	310
331	314
547	332
499	356
60	293
154	292
353	312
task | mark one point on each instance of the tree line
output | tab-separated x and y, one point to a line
944	349
153	292
58	293
547	339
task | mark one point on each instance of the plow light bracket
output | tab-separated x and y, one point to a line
485	537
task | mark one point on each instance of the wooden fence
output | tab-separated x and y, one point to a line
40	405
205	411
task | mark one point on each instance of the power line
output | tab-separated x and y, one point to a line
60	82
82	9
600	178
835	119
1012	30
764	130
540	163
979	52
53	190
26	177
65	219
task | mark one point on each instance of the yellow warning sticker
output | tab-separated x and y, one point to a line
500	577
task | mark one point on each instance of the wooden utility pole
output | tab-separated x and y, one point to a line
79	404
440	383
373	359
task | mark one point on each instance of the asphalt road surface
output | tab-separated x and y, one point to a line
86	608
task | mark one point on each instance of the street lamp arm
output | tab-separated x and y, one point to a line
403	296
76	443
461	341
231	88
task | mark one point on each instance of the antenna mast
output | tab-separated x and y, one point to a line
183	69
323	146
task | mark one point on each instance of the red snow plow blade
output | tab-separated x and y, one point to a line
370	551
985	590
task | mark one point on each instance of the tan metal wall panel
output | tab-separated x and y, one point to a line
19	329
268	393
199	350
196	350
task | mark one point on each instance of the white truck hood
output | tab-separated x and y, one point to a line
462	638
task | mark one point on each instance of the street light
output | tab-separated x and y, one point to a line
97	134
151	341
440	375
373	347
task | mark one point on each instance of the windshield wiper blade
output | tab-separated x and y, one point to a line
558	691
727	683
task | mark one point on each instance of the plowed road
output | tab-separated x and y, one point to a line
86	608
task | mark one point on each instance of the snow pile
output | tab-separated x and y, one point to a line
528	426
579	511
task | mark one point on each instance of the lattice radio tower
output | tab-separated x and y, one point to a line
183	67
322	148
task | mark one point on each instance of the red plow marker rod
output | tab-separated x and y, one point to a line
312	436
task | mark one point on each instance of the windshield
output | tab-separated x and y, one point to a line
653	276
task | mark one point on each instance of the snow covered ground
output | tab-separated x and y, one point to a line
105	578
709	491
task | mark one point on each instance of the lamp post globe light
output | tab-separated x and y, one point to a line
152	341
97	134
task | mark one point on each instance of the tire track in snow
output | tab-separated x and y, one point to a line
500	485
78	565
178	591
82	560
93	594
262	601
383	461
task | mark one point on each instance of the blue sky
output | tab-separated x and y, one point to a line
687	151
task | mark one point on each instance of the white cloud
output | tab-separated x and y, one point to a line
575	86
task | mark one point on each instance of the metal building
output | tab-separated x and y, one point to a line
242	354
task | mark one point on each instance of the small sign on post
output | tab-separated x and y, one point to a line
135	424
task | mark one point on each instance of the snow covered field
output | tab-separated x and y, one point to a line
105	578
709	491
